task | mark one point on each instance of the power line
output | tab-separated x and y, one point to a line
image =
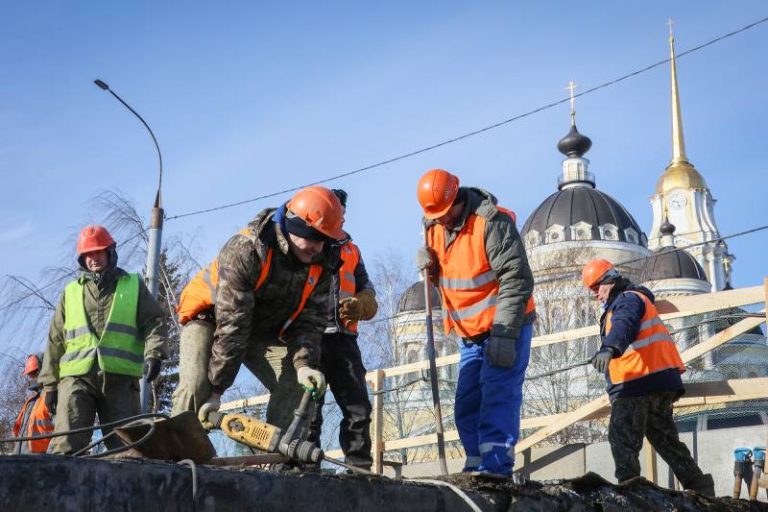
474	132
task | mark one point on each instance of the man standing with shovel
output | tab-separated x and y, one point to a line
476	257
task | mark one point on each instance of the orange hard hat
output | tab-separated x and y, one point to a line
320	209
93	238
437	191
32	365
596	271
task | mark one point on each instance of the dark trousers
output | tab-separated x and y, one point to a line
633	418
342	364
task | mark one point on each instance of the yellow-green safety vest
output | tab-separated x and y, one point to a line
119	348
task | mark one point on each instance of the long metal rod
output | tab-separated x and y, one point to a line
433	369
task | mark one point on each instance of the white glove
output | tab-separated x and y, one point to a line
425	259
311	380
211	405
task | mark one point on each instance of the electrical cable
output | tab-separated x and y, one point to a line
461	494
193	467
474	132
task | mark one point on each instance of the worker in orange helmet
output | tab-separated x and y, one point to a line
263	303
106	333
34	419
476	257
642	369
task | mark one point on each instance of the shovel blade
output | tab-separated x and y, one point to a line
177	438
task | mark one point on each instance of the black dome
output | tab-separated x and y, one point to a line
413	298
575	205
671	263
574	144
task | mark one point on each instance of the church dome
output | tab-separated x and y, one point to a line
671	263
413	298
578	211
582	213
680	174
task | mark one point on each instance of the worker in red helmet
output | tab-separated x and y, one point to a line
106	333
262	303
34	419
476	257
642	369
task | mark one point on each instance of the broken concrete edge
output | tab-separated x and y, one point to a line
49	482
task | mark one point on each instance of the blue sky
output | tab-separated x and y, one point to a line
247	98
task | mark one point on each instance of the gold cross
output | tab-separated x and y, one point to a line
571	86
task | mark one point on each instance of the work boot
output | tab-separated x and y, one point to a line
702	484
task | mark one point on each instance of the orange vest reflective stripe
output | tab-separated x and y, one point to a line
198	295
38	423
350	257
467	282
652	351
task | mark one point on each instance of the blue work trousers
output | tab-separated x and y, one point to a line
488	401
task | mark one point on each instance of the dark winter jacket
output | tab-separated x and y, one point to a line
244	315
628	310
362	282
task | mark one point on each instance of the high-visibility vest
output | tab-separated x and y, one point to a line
38	422
199	293
118	349
652	350
350	257
467	282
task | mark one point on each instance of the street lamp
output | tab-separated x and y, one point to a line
155	228
156	219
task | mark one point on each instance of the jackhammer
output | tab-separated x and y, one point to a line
292	443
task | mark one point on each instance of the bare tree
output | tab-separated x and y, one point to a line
13	390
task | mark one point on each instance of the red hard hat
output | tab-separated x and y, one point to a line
320	209
93	238
596	271
32	365
436	191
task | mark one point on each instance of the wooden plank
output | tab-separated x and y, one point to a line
243	404
651	471
723	336
377	422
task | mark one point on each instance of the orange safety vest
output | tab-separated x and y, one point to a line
652	351
350	257
198	295
467	282
38	423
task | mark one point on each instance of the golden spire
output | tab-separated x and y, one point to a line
678	143
679	173
571	86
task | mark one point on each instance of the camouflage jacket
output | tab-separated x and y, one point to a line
150	319
244	315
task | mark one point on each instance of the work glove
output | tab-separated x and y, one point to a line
211	405
601	359
51	396
152	368
311	380
360	307
501	351
426	259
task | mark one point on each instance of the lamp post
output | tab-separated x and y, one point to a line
155	228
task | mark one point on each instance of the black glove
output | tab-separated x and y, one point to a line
51	397
152	368
601	359
501	351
